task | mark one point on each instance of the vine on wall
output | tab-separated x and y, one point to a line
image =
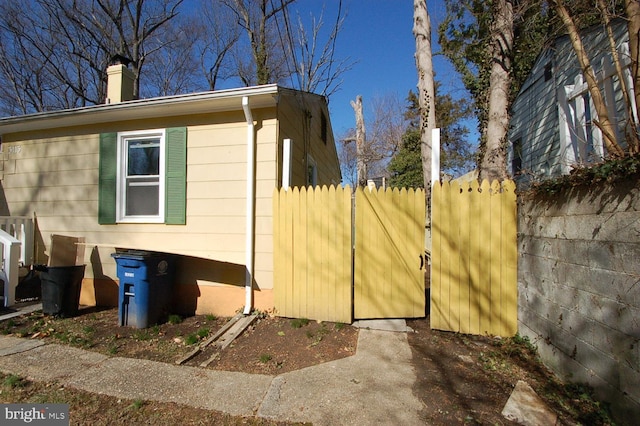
608	171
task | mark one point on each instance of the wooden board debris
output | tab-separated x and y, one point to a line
210	340
228	337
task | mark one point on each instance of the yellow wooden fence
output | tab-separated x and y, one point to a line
312	253
389	241
474	258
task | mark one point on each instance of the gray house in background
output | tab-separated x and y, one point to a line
552	126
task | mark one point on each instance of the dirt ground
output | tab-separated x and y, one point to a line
270	345
461	379
465	379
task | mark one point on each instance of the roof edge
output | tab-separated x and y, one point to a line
166	106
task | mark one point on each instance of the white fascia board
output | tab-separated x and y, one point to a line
169	106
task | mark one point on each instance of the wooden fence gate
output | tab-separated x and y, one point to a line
474	258
330	267
335	262
389	244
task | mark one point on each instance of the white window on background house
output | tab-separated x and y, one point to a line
516	157
585	138
141	175
581	139
312	171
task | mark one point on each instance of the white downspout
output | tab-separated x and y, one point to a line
286	164
249	248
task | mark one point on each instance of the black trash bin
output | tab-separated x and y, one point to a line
145	286
61	287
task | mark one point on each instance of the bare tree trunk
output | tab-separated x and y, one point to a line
633	26
631	134
254	17
493	161
426	87
361	137
604	122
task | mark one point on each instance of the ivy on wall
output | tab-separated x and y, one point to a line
608	171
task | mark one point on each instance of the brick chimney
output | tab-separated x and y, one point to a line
119	84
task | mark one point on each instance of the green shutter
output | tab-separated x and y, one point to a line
176	176
107	178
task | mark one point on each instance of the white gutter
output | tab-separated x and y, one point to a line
249	248
169	106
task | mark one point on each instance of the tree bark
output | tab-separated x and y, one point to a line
604	122
426	88
631	129
493	161
633	26
361	137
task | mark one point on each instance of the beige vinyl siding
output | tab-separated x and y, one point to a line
266	181
324	154
55	175
300	121
50	177
291	126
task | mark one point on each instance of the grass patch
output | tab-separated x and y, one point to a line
318	336
194	338
264	358
137	404
12	381
299	322
339	326
492	361
70	338
174	319
211	317
22	333
191	339
141	335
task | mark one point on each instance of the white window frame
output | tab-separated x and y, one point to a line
312	171
581	140
121	187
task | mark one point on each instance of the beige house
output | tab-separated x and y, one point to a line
191	175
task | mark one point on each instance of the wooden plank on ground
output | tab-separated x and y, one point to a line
230	335
210	340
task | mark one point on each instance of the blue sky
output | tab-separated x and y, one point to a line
378	34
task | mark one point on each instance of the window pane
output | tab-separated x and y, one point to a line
143	196
143	157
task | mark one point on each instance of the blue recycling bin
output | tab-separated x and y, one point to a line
145	287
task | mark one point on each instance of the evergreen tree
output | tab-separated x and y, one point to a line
406	166
457	154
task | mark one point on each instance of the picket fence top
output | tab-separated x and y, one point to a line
474	186
508	186
347	188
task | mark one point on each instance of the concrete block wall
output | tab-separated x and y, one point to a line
579	287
